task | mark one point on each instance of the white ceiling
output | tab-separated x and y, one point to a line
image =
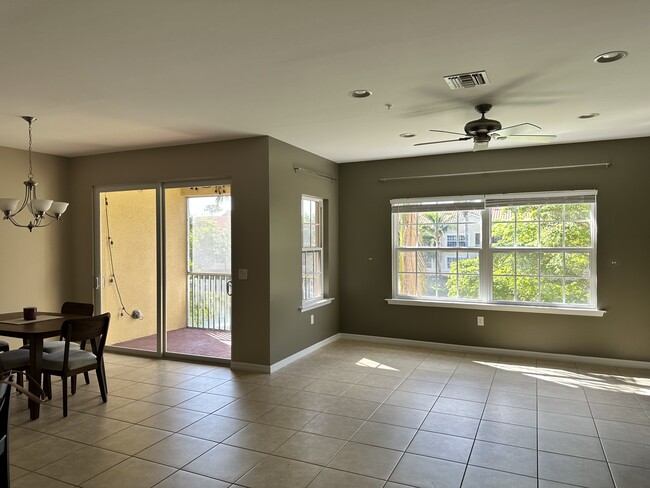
105	76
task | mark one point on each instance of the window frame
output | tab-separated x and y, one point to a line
486	252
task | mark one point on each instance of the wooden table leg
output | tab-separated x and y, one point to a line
35	357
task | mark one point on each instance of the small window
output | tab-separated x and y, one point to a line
312	249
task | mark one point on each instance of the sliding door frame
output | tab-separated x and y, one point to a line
97	261
161	259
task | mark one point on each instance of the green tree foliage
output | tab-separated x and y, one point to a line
209	238
464	279
535	275
210	252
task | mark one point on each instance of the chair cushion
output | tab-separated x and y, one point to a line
54	346
76	359
16	359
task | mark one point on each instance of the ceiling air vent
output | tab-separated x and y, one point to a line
467	80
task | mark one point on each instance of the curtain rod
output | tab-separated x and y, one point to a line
496	171
298	169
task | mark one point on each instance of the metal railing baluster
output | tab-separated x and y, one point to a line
208	304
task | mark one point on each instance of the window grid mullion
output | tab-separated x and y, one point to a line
485	264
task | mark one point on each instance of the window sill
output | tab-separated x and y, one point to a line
318	304
589	312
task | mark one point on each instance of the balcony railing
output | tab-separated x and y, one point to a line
209	305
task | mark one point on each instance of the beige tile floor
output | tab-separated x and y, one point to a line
352	414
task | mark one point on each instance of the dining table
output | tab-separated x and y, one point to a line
46	324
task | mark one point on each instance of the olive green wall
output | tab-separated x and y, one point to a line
290	328
55	264
623	237
34	266
245	163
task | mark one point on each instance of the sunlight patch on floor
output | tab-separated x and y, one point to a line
571	379
369	363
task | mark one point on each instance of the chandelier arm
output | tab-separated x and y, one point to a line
26	200
54	217
50	222
25	226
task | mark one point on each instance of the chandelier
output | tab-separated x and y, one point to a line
43	212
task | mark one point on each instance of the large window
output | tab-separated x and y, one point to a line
312	250
529	249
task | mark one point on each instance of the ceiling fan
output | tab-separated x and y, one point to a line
482	130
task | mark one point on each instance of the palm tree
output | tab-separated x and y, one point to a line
433	230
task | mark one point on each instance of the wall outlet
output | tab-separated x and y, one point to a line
311	319
479	321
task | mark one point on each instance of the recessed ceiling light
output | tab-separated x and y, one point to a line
589	116
360	93
407	134
610	57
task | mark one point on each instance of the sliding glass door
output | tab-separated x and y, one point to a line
127	281
197	270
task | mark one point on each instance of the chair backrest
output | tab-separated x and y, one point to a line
76	308
91	329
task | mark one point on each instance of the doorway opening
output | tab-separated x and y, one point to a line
165	270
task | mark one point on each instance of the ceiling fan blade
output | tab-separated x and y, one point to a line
480	146
448	132
440	142
525	128
532	138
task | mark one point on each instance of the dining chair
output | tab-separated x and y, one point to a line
73	360
4	346
14	360
68	308
5	396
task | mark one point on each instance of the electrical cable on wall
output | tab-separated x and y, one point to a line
136	314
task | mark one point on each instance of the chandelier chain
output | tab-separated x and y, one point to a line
29	152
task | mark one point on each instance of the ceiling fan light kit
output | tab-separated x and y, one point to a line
483	130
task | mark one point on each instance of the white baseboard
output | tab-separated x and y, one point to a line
300	354
250	367
550	356
621	363
262	368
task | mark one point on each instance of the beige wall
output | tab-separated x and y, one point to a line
132	224
35	267
176	258
624	332
245	163
290	329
